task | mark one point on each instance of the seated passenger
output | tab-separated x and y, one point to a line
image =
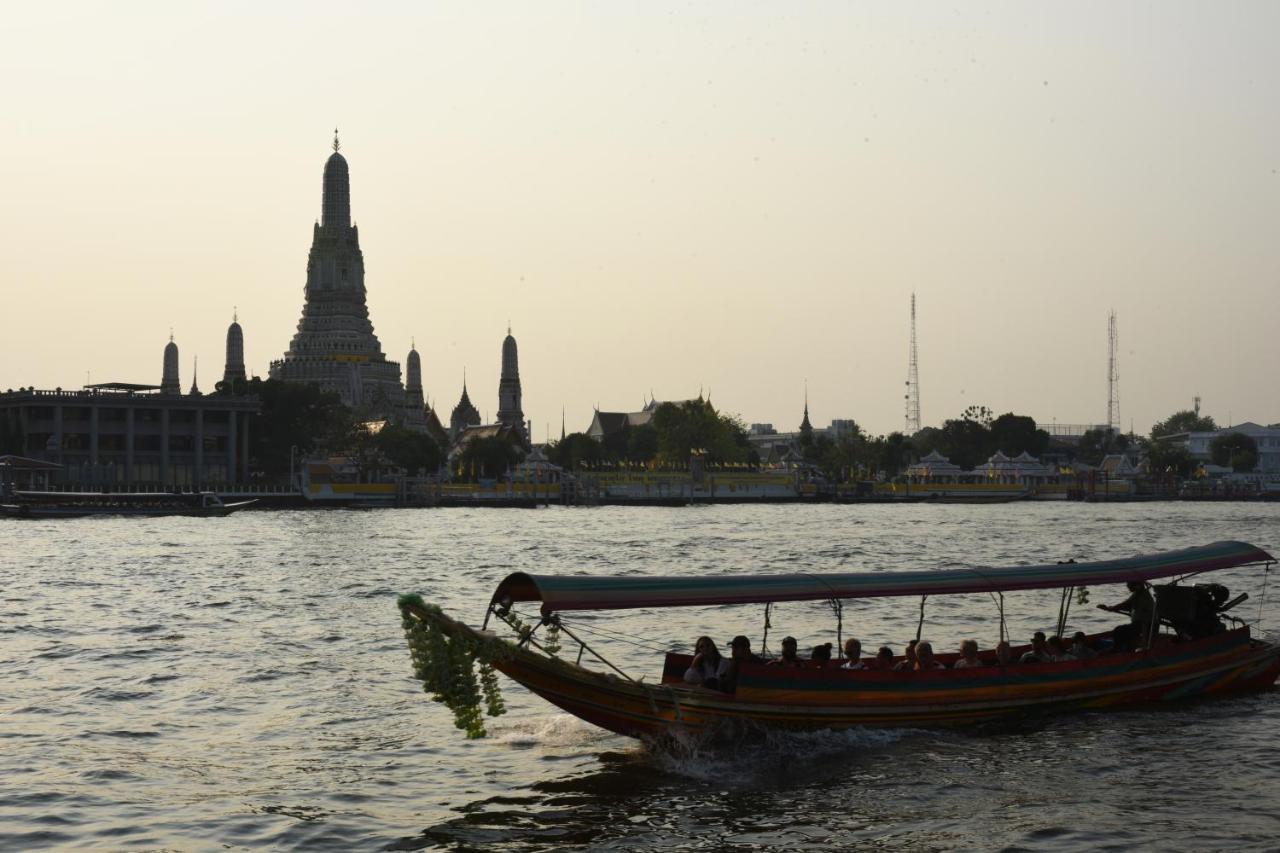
853	654
908	663
968	655
1039	652
925	661
1058	652
741	653
789	656
883	661
1080	648
821	655
708	667
1004	653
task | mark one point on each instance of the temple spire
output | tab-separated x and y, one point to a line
335	204
805	426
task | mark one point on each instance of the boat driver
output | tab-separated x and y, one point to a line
1141	608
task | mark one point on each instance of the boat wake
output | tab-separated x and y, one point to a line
749	758
554	731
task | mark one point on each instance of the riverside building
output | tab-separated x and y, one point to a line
118	434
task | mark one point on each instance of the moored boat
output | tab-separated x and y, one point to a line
1199	656
29	504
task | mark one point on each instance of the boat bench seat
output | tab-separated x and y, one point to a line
673	668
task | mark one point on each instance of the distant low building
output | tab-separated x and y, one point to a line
1199	444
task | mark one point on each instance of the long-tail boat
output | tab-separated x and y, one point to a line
1196	653
29	504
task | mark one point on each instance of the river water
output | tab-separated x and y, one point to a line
240	683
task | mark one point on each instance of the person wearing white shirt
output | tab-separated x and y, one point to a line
853	654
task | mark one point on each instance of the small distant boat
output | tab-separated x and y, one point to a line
27	504
1182	664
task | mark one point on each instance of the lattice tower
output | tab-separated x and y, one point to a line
913	379
1113	377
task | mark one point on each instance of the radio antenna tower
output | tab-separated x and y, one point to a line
913	379
1113	377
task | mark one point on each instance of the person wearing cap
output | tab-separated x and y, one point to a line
789	657
1039	651
741	653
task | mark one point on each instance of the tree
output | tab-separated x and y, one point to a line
1014	434
890	454
696	425
846	457
575	449
413	451
1098	442
1235	449
488	457
965	442
1168	458
642	443
293	415
977	414
1183	421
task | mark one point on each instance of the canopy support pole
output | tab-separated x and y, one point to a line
1153	627
838	606
1064	607
764	641
1266	574
920	624
1004	631
1066	614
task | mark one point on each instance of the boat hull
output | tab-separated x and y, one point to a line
815	699
36	510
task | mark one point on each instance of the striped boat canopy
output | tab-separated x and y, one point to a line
593	592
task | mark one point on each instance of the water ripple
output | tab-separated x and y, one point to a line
243	683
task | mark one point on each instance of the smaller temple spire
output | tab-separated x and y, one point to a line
195	375
169	383
336	143
805	426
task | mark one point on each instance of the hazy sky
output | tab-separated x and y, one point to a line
664	197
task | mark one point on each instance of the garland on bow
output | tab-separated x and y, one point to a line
446	666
